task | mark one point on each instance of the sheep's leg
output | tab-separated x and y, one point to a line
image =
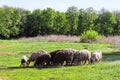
84	62
62	63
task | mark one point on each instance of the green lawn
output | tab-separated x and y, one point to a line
108	69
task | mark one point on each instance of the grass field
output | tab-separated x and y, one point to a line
12	50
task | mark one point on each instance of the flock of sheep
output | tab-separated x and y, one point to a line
61	57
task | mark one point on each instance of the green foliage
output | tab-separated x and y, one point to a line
89	36
60	24
33	23
106	21
9	20
86	20
17	22
23	21
72	17
117	24
48	18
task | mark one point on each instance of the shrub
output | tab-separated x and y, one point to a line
101	39
89	36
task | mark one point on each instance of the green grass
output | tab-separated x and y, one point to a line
30	46
108	69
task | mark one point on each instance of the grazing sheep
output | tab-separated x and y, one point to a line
77	58
35	55
69	53
23	61
81	57
96	56
42	60
54	57
60	56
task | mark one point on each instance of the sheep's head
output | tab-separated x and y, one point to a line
23	61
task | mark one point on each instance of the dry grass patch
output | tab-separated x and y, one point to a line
58	38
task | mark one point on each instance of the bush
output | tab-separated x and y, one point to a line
101	39
89	36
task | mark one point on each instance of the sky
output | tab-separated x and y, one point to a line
62	5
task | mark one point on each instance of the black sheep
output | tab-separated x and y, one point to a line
61	56
42	60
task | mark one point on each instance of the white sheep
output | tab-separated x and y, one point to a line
81	57
96	56
23	61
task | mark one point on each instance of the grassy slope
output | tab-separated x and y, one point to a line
108	69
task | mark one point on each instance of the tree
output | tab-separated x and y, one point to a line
60	26
33	24
72	17
48	17
86	20
106	21
22	24
117	24
9	21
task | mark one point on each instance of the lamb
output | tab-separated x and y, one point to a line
35	55
23	61
42	60
81	57
96	56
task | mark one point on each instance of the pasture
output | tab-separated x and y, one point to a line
12	50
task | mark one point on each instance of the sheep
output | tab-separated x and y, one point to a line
57	57
96	56
60	56
23	61
81	57
69	53
77	58
34	56
42	60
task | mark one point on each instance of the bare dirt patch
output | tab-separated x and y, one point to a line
4	78
7	52
3	45
1	78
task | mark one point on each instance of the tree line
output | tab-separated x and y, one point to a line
17	22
